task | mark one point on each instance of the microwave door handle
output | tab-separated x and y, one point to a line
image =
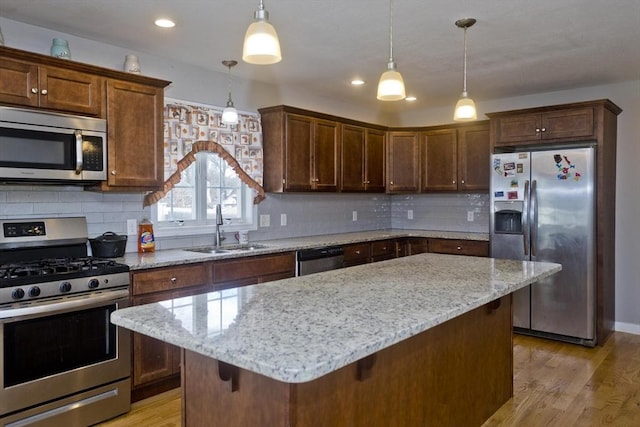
78	152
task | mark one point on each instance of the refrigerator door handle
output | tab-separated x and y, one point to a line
525	219
534	214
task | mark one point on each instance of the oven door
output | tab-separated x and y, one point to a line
51	350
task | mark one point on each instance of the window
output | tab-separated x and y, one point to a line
204	184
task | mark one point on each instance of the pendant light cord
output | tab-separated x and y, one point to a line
390	30
464	68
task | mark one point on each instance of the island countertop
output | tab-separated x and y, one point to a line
299	329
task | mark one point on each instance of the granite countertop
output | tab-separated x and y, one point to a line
171	257
296	330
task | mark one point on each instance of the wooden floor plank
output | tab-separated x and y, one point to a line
555	385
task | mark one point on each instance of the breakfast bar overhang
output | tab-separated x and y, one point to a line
414	341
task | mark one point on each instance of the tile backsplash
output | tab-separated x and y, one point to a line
306	214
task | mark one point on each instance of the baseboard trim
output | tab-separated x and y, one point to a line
631	328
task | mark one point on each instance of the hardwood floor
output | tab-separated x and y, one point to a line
555	384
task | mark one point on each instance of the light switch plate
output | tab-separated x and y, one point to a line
283	219
354	216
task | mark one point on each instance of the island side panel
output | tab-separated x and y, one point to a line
458	373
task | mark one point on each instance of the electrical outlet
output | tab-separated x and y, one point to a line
265	220
354	216
132	227
410	214
470	216
283	219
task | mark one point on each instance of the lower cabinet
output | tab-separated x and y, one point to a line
459	247
155	364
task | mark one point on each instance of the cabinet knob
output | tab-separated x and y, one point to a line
357	252
462	181
113	172
34	90
544	129
459	248
454	181
43	92
174	280
391	183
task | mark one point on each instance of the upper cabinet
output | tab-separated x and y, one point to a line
403	167
132	105
30	85
301	151
455	158
545	125
363	159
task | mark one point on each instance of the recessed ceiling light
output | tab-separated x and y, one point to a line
165	23
410	98
357	82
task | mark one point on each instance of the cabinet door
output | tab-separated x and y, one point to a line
152	359
357	254
403	167
353	158
473	158
18	83
569	123
519	128
374	161
72	91
439	160
326	156
298	166
135	144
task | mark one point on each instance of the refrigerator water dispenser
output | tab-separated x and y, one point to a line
508	218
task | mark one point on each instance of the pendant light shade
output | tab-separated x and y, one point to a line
261	44
391	84
230	114
465	107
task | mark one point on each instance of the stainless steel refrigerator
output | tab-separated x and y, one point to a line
543	209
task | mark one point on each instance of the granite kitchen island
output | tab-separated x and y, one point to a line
414	341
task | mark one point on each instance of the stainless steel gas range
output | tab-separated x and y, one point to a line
62	362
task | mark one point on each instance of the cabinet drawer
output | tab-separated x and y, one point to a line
359	253
250	270
163	279
383	247
459	247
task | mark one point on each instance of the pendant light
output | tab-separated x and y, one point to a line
261	44
230	114
465	107
391	85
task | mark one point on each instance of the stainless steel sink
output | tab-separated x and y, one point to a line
226	249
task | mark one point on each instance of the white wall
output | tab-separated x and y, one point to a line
199	85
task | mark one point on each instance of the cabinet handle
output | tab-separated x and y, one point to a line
537	130
43	92
391	183
462	181
544	129
454	181
34	90
459	248
113	172
357	252
174	280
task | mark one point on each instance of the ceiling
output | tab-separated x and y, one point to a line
517	47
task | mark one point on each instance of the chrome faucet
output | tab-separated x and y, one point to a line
217	242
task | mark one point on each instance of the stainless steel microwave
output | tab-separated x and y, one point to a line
51	147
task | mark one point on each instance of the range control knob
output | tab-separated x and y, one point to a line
65	287
17	293
34	291
93	283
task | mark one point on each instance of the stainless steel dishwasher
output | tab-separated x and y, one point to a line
319	259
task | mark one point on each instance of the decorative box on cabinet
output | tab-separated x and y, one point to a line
301	150
455	159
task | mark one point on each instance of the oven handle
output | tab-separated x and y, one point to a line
65	305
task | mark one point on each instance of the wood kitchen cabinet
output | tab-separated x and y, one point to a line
569	124
301	151
459	247
403	167
135	134
155	364
455	159
363	159
357	254
34	84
